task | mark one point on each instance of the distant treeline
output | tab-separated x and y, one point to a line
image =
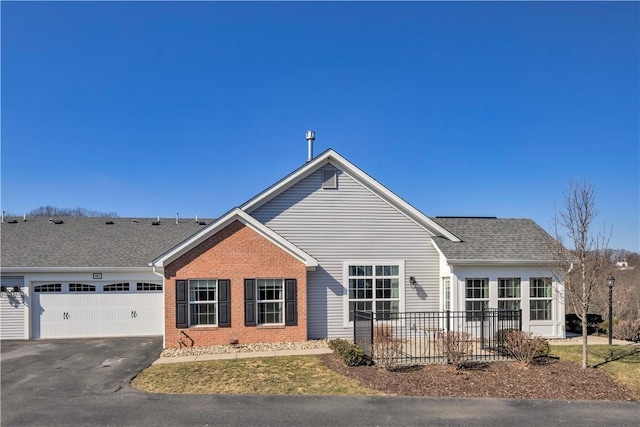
53	211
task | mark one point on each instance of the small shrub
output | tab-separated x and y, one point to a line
501	336
628	330
386	348
524	346
382	331
350	353
454	346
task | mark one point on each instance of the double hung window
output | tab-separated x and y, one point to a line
540	297
476	298
270	301
203	302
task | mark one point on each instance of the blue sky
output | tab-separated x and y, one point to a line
465	109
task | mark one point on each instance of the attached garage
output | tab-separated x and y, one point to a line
85	277
76	310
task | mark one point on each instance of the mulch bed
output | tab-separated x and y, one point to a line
546	379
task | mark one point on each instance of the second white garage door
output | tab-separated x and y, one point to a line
76	310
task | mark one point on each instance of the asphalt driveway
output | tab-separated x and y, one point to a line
73	367
86	382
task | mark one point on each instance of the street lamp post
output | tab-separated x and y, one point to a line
610	282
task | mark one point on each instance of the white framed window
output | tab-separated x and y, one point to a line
81	287
49	287
476	298
540	298
446	293
143	286
509	293
203	301
373	286
270	301
116	287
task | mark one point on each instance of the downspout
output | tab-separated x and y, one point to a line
164	309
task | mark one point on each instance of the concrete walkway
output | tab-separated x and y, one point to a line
241	355
573	339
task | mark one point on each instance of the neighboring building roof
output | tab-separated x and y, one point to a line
332	157
493	240
222	222
90	242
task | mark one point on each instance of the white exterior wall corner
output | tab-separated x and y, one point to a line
554	328
350	222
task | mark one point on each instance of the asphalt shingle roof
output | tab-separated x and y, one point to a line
494	239
90	242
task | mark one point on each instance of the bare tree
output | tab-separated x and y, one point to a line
582	257
51	211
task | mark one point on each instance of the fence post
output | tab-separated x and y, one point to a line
448	320
520	320
482	329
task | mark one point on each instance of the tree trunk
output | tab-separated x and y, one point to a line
584	339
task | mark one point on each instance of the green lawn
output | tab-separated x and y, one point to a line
621	361
269	375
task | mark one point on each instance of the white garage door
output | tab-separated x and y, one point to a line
75	310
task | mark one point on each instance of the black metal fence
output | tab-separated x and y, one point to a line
434	336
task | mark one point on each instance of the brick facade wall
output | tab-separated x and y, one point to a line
236	253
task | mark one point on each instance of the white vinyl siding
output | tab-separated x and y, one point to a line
344	224
12	309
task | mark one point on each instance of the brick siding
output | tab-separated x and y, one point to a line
236	253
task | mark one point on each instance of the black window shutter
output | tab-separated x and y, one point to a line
182	303
291	302
224	303
250	302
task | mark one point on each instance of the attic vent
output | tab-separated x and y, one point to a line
202	223
135	221
155	223
109	223
13	221
329	179
58	222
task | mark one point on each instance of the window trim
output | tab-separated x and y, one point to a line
469	317
113	287
83	287
517	299
214	302
258	301
48	288
549	298
402	284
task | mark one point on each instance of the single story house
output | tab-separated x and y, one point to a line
290	264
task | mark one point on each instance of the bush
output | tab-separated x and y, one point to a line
351	354
628	330
524	346
455	346
386	348
501	336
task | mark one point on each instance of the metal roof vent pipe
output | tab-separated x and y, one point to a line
311	136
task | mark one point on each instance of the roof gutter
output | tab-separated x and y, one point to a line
500	262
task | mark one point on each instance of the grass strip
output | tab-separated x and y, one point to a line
293	375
